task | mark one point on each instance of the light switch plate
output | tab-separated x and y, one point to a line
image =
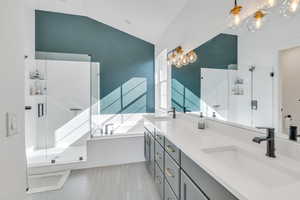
11	124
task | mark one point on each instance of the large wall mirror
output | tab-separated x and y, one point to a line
246	76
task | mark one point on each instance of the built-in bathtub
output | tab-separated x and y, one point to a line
124	145
119	125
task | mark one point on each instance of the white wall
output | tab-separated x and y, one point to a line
200	21
29	50
12	149
290	70
29	27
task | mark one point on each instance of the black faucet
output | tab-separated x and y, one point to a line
174	112
185	110
270	141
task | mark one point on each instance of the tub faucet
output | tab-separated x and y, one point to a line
185	110
270	139
106	129
173	111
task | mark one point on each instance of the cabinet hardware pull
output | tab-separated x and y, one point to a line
170	149
169	173
158	179
158	156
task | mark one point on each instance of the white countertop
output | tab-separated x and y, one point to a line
193	142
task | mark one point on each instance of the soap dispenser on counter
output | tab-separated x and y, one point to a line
201	122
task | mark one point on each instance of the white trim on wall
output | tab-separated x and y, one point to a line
162	83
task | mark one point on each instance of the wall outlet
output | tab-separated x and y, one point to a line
11	124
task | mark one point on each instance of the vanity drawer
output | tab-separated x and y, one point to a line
159	155
189	191
160	138
212	189
169	194
172	150
172	174
159	181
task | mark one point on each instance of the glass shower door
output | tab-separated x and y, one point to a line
214	93
35	112
59	95
95	100
68	110
262	97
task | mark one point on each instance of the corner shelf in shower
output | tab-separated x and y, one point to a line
238	89
38	95
31	79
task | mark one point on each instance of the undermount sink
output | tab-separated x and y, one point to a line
266	172
162	118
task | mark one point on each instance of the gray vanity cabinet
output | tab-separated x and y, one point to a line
149	152
146	147
212	189
152	155
178	177
159	181
189	191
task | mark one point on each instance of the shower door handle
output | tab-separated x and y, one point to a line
28	107
41	110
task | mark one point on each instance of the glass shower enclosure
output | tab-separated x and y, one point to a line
59	96
244	95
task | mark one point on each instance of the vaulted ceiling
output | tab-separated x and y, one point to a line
165	23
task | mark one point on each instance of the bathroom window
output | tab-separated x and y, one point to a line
163	74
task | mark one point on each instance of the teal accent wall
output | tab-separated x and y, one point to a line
218	53
127	62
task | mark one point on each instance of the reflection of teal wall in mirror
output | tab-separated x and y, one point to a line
127	63
218	53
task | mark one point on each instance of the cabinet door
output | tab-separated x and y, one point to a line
159	155
172	150
189	191
146	147
169	194
152	154
159	181
212	188
172	174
